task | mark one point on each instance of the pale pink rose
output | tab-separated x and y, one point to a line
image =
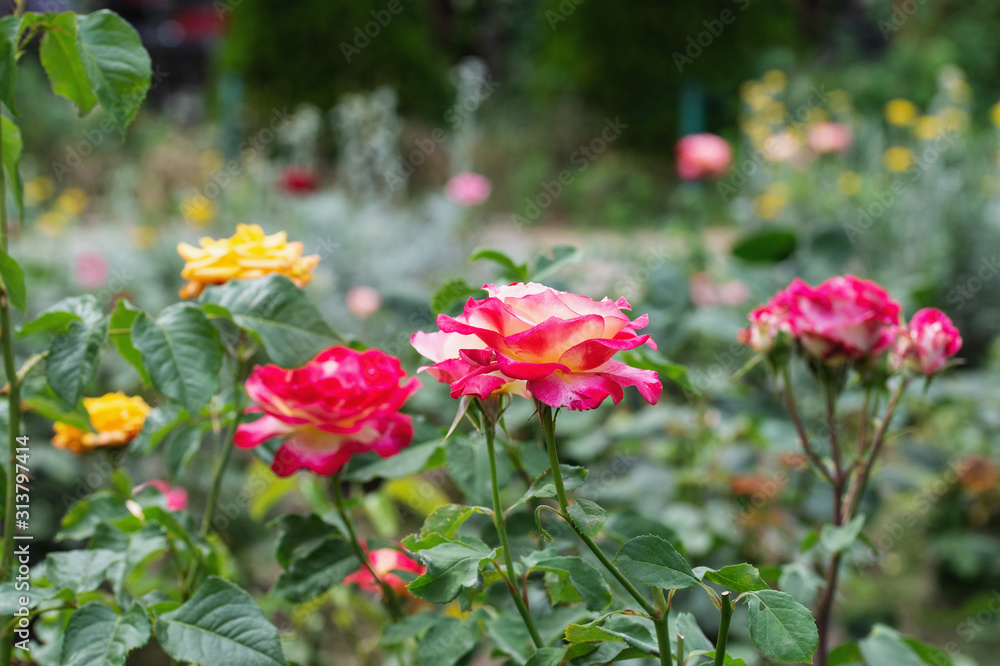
177	498
91	270
829	137
844	318
927	343
766	322
385	561
363	302
701	156
782	147
468	189
703	290
561	344
733	292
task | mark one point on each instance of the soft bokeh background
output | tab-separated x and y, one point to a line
342	122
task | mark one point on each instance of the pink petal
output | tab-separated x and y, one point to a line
257	432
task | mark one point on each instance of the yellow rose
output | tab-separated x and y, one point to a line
116	417
198	210
249	254
897	159
900	112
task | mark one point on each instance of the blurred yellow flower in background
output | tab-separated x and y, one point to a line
989	186
817	116
52	223
754	95
849	183
143	237
774	80
926	128
954	119
897	159
248	254
116	417
199	210
38	190
995	114
900	112
773	113
72	201
839	101
772	201
210	161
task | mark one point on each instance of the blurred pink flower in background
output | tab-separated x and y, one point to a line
363	302
706	292
829	137
929	341
468	189
298	180
384	561
177	498
703	156
782	147
91	270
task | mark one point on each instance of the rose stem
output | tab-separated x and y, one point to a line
388	595
13	426
727	614
549	431
489	429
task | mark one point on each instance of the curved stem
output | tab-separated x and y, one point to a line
720	644
793	412
489	429
389	597
549	430
13	426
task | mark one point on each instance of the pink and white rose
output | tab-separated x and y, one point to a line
702	156
927	343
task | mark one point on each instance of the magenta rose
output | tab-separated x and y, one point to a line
844	318
701	156
766	322
559	344
928	342
341	403
384	562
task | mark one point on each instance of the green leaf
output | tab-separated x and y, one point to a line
450	567
98	636
623	523
10	596
220	624
181	351
647	359
122	318
544	486
9	29
80	570
75	354
445	520
545	265
839	539
411	460
47	404
62	62
467	462
767	247
846	654
59	317
652	561
300	535
585	578
311	575
82	519
13	279
781	627
930	654
116	64
451	292
738	577
548	656
160	422
511	637
12	147
409	627
686	625
277	314
446	642
881	648
180	449
588	516
618	629
513	272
